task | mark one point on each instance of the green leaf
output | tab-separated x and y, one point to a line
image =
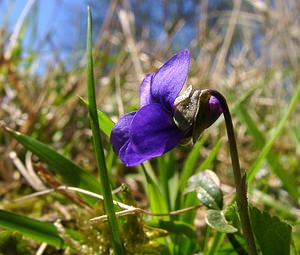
272	234
70	173
216	220
207	186
105	123
175	227
231	214
33	229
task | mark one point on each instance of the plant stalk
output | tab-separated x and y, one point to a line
239	178
100	157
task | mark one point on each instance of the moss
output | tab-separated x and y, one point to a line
12	243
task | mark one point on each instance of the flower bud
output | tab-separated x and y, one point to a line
195	111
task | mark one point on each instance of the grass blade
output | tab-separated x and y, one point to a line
190	163
70	173
106	123
188	170
33	229
106	189
276	134
168	178
158	202
272	159
175	227
206	164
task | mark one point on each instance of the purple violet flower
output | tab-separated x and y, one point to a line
151	131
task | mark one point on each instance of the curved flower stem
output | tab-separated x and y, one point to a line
239	178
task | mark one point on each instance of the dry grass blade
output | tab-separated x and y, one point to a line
17	30
126	19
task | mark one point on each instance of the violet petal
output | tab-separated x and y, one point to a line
153	132
215	110
120	132
145	94
131	157
169	79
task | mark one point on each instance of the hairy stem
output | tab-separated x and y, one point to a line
239	178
